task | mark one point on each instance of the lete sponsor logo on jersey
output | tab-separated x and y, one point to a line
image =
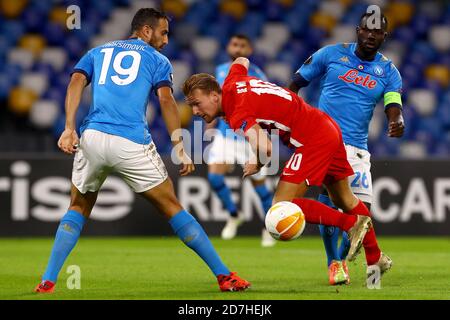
351	76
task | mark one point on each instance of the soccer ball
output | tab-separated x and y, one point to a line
285	221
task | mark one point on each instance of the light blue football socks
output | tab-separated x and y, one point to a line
192	234
266	197
218	184
67	236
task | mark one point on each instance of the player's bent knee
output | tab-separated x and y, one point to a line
341	195
256	181
173	207
82	202
164	198
287	191
218	168
345	203
169	206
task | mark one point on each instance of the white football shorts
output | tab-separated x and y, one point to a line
101	153
232	151
361	181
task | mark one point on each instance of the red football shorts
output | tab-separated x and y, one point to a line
322	159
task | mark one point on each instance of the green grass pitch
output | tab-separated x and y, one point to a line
163	268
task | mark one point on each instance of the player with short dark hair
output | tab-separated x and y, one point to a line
354	77
251	105
147	17
116	138
228	148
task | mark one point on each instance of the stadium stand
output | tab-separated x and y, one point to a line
38	52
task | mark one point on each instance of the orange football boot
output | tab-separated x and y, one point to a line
336	274
45	286
232	282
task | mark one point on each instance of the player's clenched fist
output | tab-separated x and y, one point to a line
251	169
396	129
187	165
68	141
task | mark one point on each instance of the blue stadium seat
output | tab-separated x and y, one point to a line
299	50
274	11
314	37
5	85
223	57
171	51
87	31
12	30
421	24
418	47
45	69
74	47
59	125
441	150
189	57
249	29
432	126
41	6
404	34
103	7
255	4
54	34
32	19
13	72
4	47
353	15
443	113
80	3
297	22
53	93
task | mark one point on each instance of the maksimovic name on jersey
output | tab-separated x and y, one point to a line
125	45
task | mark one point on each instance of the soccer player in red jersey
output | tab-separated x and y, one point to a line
253	106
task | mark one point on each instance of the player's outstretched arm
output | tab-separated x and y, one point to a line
394	115
68	142
297	83
242	61
262	148
169	110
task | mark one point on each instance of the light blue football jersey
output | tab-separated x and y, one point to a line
221	73
351	87
123	74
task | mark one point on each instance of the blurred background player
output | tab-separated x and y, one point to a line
354	77
253	107
229	148
116	138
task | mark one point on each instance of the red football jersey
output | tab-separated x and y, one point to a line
249	100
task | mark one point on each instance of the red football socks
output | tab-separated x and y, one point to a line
318	213
370	244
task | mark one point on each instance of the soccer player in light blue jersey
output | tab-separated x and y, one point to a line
228	148
354	77
115	138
